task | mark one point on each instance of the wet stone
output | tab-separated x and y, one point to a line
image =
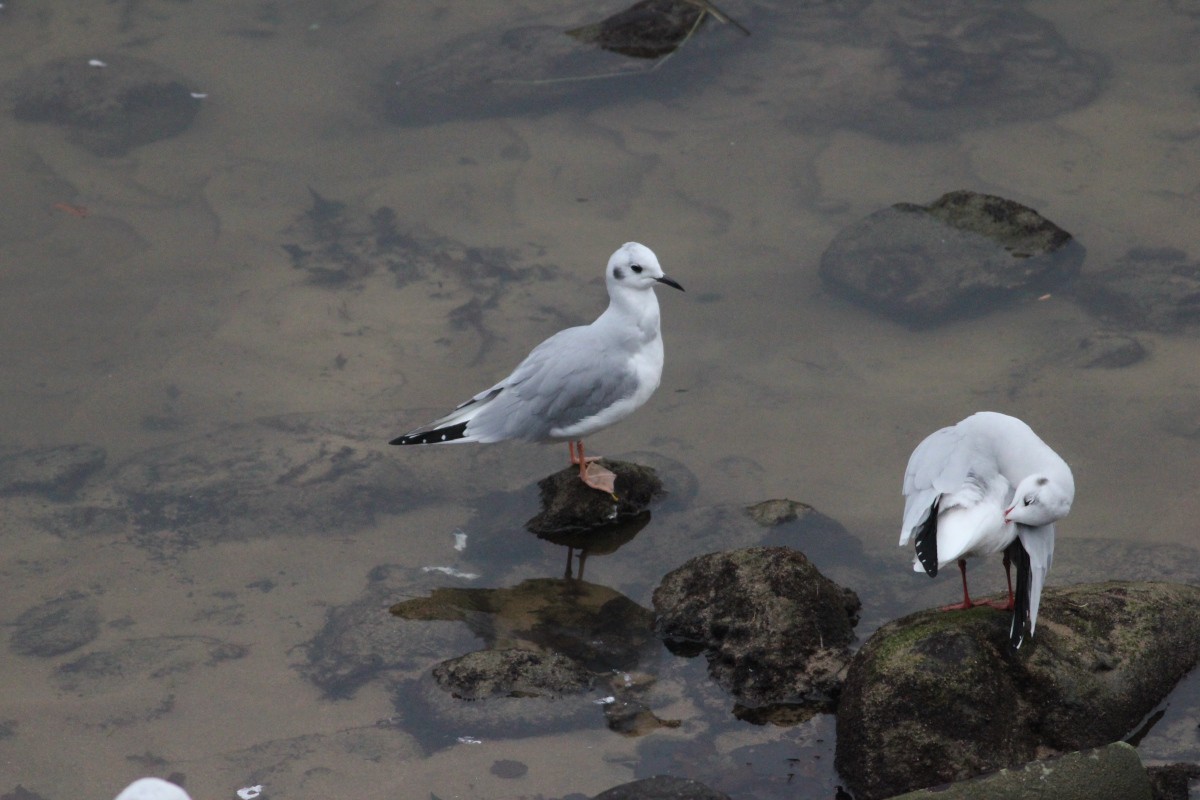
1154	289
774	629
569	505
500	694
109	104
937	697
964	254
509	768
57	626
511	673
56	473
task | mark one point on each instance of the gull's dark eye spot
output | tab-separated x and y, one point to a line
637	268
617	273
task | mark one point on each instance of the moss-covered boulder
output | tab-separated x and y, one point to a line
937	697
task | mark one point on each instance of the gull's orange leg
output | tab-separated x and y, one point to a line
591	473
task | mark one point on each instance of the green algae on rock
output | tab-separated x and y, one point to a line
936	697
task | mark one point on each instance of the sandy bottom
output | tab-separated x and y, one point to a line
170	328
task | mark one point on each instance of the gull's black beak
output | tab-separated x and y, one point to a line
669	282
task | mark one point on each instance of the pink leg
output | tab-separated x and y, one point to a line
966	603
592	474
1012	600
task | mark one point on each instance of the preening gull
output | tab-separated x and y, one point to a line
152	789
986	485
580	380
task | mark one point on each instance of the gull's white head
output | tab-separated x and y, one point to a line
634	266
152	789
1040	500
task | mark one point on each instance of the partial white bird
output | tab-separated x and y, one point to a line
580	380
986	485
152	789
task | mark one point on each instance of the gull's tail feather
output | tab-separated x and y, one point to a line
453	426
926	540
1018	555
450	433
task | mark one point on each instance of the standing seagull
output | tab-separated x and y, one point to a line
580	380
985	485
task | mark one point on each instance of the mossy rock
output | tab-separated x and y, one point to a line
937	697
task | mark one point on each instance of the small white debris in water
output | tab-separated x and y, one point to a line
95	62
452	572
199	95
469	740
605	701
250	792
460	540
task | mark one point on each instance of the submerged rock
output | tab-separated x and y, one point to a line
936	697
511	672
57	626
661	787
774	629
53	472
109	104
965	253
546	64
570	506
1147	289
1108	350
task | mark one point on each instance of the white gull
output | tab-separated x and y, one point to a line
580	380
986	485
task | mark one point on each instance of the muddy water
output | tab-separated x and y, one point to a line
242	404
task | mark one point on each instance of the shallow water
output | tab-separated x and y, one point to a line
243	404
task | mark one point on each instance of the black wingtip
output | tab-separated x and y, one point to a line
436	436
926	540
1016	633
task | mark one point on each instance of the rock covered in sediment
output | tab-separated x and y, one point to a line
1148	288
661	787
774	629
937	697
965	253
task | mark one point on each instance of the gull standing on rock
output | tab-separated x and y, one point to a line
986	485
580	380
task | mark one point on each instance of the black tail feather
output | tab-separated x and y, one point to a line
447	434
926	539
1016	553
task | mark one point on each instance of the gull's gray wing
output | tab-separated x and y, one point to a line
566	379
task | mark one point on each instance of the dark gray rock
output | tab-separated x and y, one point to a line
1113	772
109	104
53	472
774	629
1147	289
57	626
570	506
936	696
661	787
964	254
